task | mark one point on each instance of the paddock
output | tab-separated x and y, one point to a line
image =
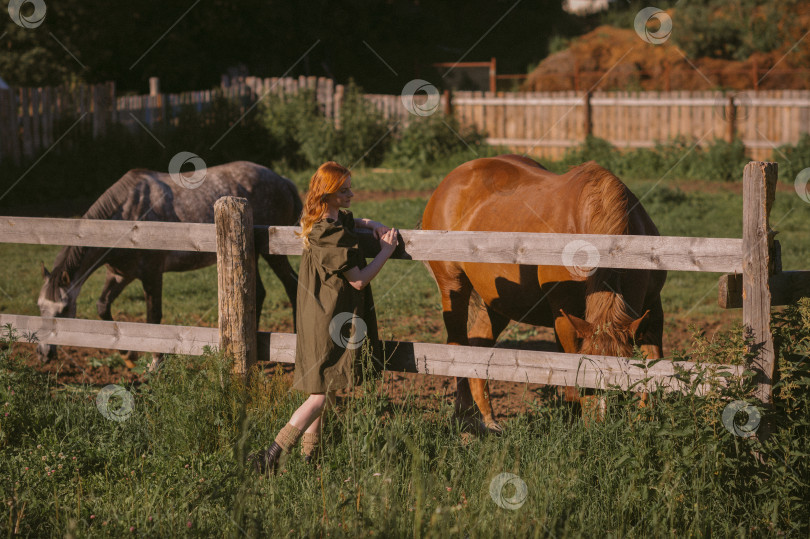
753	260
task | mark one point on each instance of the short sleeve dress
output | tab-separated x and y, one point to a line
335	322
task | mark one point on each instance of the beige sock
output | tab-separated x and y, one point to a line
309	443
288	436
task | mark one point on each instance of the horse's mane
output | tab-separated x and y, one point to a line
105	207
605	199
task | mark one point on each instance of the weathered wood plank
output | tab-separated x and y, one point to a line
109	233
116	335
759	188
721	255
786	287
425	358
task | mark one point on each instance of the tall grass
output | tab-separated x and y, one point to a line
175	465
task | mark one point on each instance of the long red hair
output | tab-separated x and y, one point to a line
327	180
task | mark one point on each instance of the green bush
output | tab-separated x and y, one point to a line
303	136
793	159
429	139
287	119
678	158
594	149
720	160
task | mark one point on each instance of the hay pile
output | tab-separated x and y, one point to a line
610	58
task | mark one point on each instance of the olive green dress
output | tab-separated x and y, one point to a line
335	322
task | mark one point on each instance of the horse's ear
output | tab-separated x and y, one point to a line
635	326
64	279
45	272
581	327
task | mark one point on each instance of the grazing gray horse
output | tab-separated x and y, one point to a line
145	195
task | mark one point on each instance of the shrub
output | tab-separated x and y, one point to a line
303	136
678	158
793	159
428	139
594	149
720	160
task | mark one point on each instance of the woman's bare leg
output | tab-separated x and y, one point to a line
308	412
315	426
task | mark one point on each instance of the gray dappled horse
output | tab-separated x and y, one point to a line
145	195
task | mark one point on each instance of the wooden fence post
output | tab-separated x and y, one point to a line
731	118
447	102
493	75
338	105
759	187
236	278
588	128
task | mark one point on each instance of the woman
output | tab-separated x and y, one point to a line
333	293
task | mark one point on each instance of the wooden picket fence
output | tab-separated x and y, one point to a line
753	257
548	123
545	124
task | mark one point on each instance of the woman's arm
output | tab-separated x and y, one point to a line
359	278
378	228
361	222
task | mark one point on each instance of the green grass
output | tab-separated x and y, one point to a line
173	466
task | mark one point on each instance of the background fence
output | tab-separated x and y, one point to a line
545	124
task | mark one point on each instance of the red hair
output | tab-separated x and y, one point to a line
327	180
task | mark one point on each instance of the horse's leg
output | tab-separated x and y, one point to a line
283	270
652	342
113	286
455	290
153	294
486	326
560	296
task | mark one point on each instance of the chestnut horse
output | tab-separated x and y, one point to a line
601	311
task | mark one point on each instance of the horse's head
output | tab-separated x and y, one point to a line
56	300
606	340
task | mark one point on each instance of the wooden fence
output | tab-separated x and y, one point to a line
752	257
545	124
548	123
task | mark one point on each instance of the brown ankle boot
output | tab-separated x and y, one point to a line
267	460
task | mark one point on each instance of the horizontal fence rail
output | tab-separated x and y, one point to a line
722	255
550	368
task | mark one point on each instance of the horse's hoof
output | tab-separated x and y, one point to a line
130	358
493	427
154	366
477	426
